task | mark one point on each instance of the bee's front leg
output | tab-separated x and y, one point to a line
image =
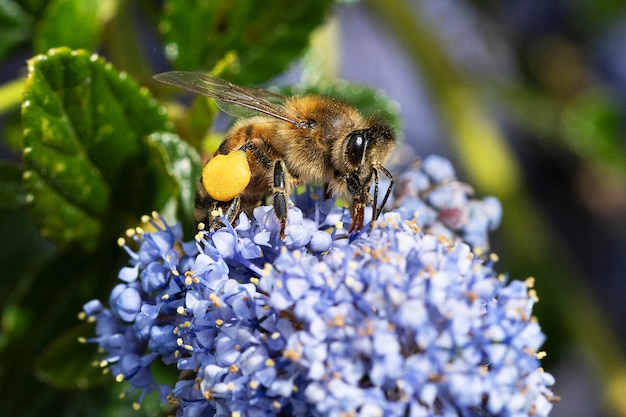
358	212
360	199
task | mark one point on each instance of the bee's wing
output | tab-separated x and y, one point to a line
220	89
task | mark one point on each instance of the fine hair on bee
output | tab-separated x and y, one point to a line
289	141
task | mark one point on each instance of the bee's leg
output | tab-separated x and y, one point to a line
327	194
232	211
279	191
258	154
220	210
359	200
210	211
280	195
358	213
379	209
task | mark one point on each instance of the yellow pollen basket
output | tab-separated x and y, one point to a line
226	176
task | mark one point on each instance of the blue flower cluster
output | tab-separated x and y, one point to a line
445	206
387	322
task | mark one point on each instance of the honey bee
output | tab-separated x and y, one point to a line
309	139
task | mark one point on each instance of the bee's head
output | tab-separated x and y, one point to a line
367	148
365	152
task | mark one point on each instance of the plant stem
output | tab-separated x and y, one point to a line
11	94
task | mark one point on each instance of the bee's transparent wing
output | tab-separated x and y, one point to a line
220	89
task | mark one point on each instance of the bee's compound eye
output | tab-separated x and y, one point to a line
226	176
355	147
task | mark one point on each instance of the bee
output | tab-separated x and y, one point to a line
309	139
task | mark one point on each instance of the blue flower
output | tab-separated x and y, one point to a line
408	317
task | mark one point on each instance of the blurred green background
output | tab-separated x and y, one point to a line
527	97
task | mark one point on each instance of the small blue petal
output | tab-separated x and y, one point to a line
154	277
281	387
296	287
244	223
263	238
129	274
92	307
249	249
224	243
296	236
320	241
161	340
128	304
438	168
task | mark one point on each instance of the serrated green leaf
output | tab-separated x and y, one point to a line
86	160
182	164
200	34
61	221
68	364
16	26
71	23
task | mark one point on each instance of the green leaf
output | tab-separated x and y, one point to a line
71	23
265	42
25	252
592	126
11	191
181	163
591	17
44	299
200	118
34	7
12	135
16	26
87	164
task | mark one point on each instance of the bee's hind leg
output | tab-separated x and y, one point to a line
221	211
211	212
218	212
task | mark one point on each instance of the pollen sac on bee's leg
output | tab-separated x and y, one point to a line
226	176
